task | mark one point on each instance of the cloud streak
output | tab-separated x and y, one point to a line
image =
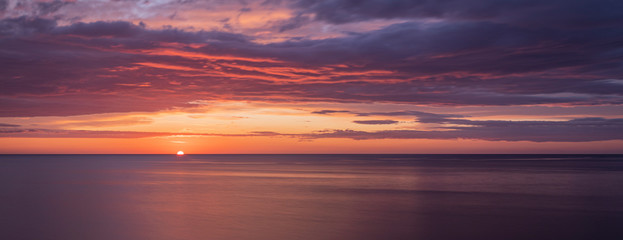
491	63
64	133
561	13
375	122
575	130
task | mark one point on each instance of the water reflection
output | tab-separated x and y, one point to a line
310	197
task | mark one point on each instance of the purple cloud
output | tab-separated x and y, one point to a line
64	133
575	130
375	122
468	59
330	111
561	13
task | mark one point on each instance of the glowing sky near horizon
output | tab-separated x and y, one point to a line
322	76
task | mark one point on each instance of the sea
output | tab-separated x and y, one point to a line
358	197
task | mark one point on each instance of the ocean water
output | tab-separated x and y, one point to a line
311	197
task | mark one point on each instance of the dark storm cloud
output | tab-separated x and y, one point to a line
483	61
102	29
562	13
15	27
52	6
58	64
292	23
468	47
375	122
3	4
420	49
330	111
520	63
112	31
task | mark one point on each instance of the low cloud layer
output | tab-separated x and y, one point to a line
575	130
375	122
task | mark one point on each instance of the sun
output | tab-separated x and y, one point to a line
180	153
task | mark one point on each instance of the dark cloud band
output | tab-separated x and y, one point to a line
479	54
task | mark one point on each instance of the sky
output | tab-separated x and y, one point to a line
311	76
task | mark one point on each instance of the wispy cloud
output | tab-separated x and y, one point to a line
496	61
72	58
575	130
375	122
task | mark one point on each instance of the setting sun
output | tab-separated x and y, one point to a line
180	153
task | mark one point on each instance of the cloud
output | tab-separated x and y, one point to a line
423	117
65	69
78	104
575	130
292	23
52	6
435	48
62	58
15	27
60	133
3	4
64	133
33	8
330	111
375	122
567	13
452	126
102	29
109	122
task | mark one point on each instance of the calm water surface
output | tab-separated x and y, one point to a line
311	197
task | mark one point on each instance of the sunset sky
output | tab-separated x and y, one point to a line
311	76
